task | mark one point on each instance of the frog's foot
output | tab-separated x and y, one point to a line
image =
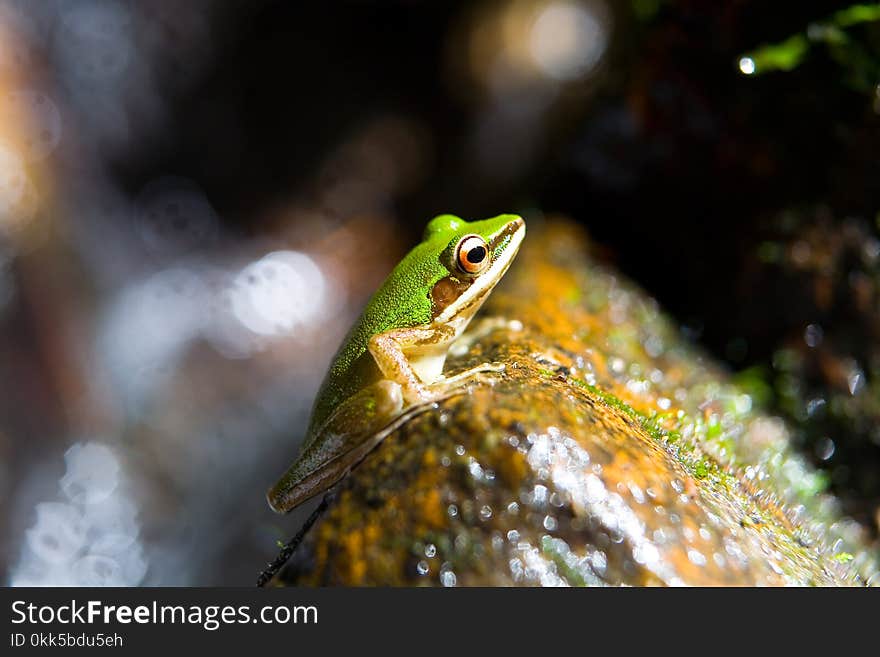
487	373
480	329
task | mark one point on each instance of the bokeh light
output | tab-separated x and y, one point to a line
13	183
536	45
93	40
278	293
37	118
90	537
175	216
567	39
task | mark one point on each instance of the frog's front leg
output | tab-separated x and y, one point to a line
413	358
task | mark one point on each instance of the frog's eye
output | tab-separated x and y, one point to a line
472	254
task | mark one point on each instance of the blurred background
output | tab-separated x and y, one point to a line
197	198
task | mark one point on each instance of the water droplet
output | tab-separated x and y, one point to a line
747	65
855	381
813	335
696	557
646	554
825	448
599	562
539	495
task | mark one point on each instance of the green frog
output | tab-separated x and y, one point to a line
391	362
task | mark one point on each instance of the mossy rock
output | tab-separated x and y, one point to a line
610	452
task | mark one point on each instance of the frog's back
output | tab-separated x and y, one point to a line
403	301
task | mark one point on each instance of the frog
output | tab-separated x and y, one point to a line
390	365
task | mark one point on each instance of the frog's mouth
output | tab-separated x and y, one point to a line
503	246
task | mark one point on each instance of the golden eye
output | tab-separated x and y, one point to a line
472	254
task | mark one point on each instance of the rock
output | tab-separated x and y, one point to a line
610	452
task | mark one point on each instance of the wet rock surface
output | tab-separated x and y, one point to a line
611	452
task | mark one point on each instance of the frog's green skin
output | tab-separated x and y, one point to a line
392	359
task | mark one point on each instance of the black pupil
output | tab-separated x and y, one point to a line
476	255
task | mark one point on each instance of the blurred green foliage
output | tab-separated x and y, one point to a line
850	37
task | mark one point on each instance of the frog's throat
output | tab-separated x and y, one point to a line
470	301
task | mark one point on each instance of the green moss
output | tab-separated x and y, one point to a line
701	470
611	400
647	423
754	382
842	557
812	484
699	466
552	548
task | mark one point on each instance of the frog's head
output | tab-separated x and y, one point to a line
476	255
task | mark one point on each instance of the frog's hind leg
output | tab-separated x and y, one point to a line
336	448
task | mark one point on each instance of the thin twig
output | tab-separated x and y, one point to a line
288	550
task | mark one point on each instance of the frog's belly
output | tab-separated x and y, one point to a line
428	366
